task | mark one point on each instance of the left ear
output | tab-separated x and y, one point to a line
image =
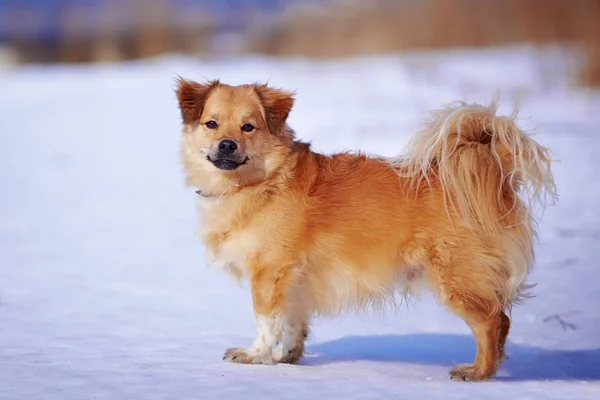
277	104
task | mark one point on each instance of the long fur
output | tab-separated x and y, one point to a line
324	234
481	160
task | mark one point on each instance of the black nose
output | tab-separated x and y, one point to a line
227	147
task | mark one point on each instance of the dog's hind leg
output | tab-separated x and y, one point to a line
271	287
504	324
469	293
486	359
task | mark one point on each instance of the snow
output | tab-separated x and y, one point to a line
104	288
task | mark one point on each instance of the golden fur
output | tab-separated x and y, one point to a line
320	235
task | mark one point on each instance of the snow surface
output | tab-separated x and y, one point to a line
104	288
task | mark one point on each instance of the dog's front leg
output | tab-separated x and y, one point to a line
270	291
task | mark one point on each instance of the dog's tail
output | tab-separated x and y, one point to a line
485	166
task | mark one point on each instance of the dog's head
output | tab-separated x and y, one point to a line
232	135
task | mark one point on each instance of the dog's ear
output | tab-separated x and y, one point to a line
277	104
192	96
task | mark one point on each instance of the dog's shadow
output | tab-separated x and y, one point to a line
523	363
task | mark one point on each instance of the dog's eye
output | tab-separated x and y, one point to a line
248	128
211	125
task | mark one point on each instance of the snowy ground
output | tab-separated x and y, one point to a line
104	289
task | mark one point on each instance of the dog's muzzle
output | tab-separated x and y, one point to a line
227	156
227	164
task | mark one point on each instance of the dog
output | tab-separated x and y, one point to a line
320	235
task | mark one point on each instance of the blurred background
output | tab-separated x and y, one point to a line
75	31
104	288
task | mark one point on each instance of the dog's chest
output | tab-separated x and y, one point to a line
231	249
234	238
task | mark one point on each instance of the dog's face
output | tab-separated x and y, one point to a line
233	135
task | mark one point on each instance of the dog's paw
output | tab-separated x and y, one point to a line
291	356
467	373
243	356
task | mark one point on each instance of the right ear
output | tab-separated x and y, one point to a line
192	96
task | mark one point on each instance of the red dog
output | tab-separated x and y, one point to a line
317	234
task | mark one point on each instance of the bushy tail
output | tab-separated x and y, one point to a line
491	174
480	160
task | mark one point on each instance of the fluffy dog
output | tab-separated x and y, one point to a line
319	235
